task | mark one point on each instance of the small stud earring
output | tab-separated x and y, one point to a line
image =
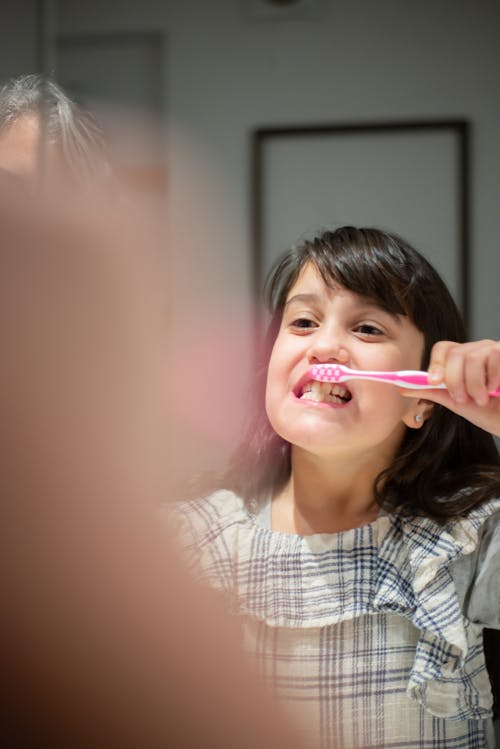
418	418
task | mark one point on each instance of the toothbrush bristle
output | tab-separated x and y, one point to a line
326	372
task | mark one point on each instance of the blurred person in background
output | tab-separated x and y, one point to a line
44	135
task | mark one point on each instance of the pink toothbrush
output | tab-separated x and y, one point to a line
408	378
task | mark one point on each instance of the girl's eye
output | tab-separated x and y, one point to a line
369	330
303	323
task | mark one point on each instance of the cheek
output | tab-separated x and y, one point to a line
275	370
276	388
380	402
270	397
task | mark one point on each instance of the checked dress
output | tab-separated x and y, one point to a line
371	637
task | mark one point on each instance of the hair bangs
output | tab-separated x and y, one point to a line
365	272
357	260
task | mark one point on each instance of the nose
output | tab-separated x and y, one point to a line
327	346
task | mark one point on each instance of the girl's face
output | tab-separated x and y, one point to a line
323	324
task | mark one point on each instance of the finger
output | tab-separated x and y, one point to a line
493	367
443	398
454	373
436	396
475	372
437	361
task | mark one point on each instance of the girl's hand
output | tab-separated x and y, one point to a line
469	371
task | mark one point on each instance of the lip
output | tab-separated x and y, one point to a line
297	388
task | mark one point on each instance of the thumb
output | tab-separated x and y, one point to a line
486	417
439	395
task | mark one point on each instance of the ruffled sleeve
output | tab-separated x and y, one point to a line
477	577
448	675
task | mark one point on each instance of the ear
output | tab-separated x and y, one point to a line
417	413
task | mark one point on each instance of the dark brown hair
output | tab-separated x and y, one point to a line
442	470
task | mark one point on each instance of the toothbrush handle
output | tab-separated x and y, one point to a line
420	380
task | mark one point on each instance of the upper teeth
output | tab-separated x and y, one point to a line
321	391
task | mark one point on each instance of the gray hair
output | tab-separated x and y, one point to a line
62	121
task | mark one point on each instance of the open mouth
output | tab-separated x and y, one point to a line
324	392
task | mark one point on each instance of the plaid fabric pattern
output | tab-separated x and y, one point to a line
360	633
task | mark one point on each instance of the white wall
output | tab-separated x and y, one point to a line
226	74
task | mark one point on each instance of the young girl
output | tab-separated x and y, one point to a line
356	532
